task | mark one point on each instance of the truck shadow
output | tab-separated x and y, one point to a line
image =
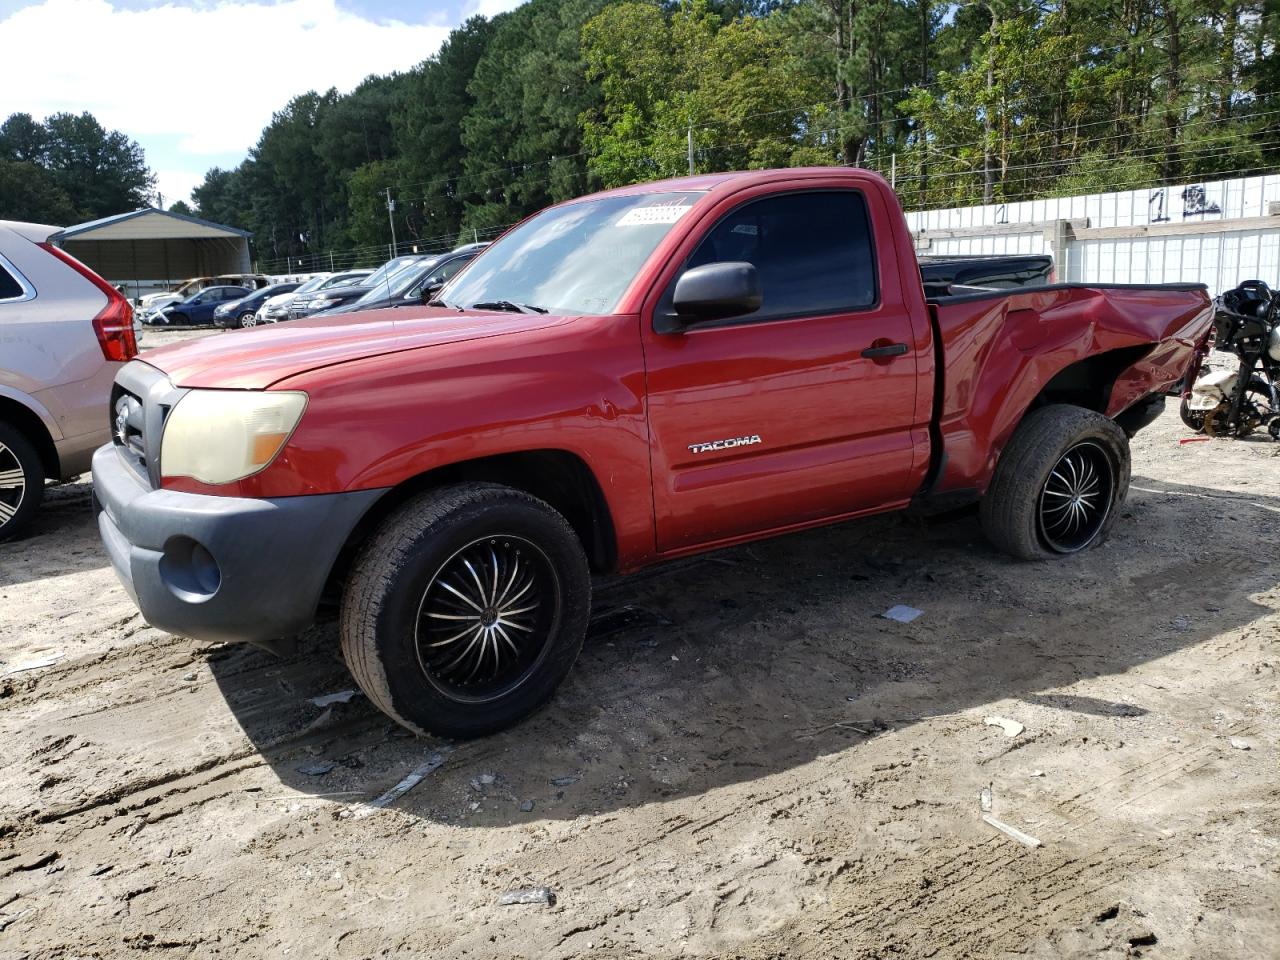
762	658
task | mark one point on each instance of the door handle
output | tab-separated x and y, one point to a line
888	350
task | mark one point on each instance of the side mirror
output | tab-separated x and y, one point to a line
430	290
717	290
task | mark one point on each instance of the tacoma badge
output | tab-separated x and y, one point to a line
724	444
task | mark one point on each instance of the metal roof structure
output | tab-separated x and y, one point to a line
153	248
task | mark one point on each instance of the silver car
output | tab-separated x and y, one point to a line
65	333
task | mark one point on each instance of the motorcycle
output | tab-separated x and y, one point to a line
1235	402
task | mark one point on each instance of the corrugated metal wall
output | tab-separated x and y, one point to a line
1173	249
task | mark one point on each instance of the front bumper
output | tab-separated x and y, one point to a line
221	568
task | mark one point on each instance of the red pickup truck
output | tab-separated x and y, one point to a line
644	373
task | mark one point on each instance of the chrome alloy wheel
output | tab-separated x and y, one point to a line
1076	498
485	618
248	319
13	485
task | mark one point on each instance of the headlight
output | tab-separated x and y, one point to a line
219	436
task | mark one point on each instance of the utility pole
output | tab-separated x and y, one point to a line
391	216
893	170
691	148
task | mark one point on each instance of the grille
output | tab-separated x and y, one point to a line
140	403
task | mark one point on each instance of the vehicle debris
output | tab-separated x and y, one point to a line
901	613
400	789
1239	744
1024	838
32	665
528	895
342	696
564	781
317	769
984	799
1011	728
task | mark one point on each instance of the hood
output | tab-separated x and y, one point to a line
256	358
154	300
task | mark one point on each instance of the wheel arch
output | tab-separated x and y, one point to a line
560	478
29	423
1088	382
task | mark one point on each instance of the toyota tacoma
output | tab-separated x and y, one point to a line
624	378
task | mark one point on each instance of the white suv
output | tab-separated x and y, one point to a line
64	332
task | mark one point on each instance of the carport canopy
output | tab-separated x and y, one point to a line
155	249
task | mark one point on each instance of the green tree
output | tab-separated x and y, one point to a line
27	192
522	136
667	78
102	171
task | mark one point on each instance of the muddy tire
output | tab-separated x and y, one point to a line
1059	484
21	481
465	609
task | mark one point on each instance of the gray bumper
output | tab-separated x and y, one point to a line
221	568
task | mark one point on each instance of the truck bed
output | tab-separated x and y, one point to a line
998	353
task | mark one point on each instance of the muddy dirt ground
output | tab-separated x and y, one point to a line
746	762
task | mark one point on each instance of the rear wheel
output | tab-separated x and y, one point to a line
1059	484
21	481
466	609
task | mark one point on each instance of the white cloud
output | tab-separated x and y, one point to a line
209	75
490	8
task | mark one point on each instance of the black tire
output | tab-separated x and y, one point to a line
1047	467
18	504
400	597
177	320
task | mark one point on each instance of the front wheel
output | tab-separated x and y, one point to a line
248	319
466	609
1059	484
21	481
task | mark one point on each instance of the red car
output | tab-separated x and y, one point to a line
644	373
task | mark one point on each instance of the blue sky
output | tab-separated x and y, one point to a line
195	82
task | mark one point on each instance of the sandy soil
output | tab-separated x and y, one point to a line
746	762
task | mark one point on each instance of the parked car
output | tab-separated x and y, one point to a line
412	285
65	333
276	308
199	308
243	312
155	302
646	373
339	289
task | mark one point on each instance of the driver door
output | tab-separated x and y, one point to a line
780	418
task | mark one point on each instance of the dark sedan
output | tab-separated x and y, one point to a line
413	284
198	310
242	313
339	289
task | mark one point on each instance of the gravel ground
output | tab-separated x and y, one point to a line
746	762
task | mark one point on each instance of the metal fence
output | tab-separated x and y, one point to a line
1216	233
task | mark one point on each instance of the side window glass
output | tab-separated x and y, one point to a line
813	252
10	288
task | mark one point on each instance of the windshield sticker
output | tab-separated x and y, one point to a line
658	213
750	229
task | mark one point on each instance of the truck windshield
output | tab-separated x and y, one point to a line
575	259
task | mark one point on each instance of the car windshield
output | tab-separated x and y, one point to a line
398	283
345	280
387	269
574	259
312	284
